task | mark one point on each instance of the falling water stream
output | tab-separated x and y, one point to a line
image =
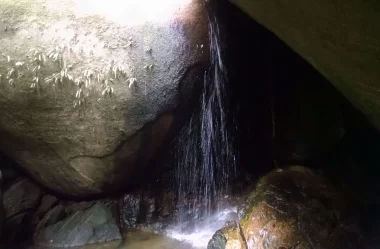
205	166
205	155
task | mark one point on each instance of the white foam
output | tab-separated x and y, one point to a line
203	231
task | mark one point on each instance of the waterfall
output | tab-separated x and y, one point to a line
204	151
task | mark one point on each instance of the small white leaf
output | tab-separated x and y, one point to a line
131	82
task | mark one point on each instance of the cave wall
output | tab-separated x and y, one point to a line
340	39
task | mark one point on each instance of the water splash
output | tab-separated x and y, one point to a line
204	230
205	158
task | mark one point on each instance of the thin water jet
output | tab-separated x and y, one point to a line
205	155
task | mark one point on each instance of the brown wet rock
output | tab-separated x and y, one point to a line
229	237
289	208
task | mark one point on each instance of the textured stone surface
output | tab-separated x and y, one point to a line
50	218
22	197
47	203
55	53
93	225
289	208
218	241
2	213
340	39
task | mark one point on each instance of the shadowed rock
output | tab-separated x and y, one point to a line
341	40
93	225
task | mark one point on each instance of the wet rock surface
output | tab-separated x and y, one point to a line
290	208
226	237
217	241
52	217
92	225
134	239
148	211
21	199
2	212
47	203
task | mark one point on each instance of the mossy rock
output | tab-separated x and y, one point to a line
294	207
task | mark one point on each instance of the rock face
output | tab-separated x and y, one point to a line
20	201
21	197
93	225
1	206
339	40
88	92
291	208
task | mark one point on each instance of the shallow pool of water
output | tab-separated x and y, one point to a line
137	240
203	230
187	235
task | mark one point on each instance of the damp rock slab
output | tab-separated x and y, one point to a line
93	225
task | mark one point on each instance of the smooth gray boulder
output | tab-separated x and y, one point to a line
93	225
88	92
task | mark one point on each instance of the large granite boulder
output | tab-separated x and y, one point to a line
340	39
88	92
289	208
